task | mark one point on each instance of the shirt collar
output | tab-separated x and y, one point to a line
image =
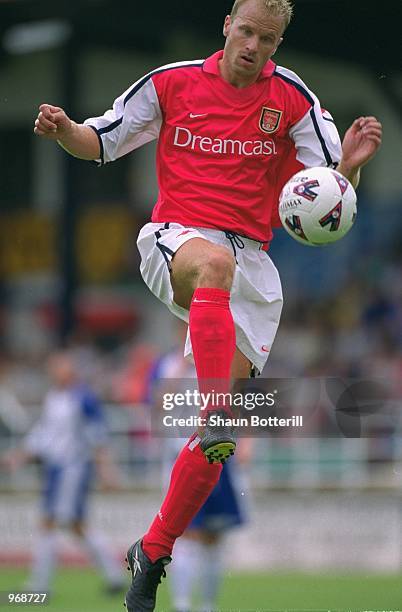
211	65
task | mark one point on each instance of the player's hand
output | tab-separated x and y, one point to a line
361	142
13	459
110	480
244	451
109	476
52	122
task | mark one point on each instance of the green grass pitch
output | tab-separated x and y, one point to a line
80	590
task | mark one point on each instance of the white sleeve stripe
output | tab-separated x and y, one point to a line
305	92
142	81
323	144
299	85
135	118
139	84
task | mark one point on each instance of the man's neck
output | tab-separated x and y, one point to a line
238	81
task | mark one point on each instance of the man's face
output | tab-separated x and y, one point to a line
252	37
61	370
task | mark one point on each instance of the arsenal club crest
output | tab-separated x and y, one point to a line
270	120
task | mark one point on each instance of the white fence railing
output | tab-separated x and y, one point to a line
277	463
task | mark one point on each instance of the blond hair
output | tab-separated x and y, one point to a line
279	8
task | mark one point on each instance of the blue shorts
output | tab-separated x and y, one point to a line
222	510
65	493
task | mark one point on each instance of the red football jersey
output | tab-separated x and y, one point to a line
223	153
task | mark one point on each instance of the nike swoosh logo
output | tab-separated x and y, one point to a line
137	566
185	232
192	116
195	301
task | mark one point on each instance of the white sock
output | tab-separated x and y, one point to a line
102	557
210	575
183	572
43	561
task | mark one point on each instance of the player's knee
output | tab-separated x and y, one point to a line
218	269
48	524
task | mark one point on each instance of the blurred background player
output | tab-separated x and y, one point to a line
198	563
70	439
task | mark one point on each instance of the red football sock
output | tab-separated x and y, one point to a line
213	338
191	483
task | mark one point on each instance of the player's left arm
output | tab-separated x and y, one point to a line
15	458
360	144
30	449
317	141
134	120
106	468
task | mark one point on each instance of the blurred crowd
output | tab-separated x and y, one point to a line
354	333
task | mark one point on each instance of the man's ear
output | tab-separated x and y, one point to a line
226	25
279	42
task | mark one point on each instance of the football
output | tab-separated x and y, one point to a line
317	206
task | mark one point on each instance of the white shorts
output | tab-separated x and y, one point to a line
66	491
256	294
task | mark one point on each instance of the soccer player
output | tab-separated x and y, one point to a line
231	130
69	438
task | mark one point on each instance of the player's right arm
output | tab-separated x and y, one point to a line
78	140
31	448
15	458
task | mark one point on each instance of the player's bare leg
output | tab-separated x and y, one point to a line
198	562
241	366
100	555
199	263
44	557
